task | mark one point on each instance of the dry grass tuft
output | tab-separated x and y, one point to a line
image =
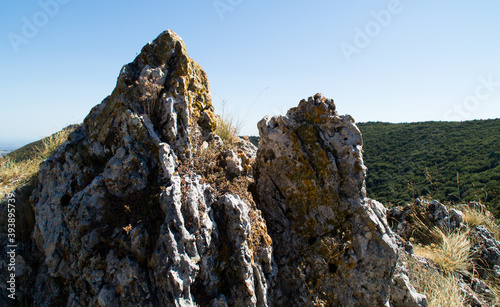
227	127
13	174
442	290
478	216
451	252
50	144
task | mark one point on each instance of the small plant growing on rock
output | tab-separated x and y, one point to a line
209	161
150	92
227	127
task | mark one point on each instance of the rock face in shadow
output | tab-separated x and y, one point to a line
331	244
144	205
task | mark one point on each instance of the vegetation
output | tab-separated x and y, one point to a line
479	216
227	127
442	290
451	252
254	140
210	161
43	147
454	162
21	166
445	260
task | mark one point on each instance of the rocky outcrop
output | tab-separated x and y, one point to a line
145	205
332	245
123	216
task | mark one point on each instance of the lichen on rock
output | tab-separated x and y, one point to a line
119	222
331	243
145	206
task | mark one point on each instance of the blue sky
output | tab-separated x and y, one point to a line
394	61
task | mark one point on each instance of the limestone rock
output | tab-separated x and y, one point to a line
331	245
144	205
486	252
123	218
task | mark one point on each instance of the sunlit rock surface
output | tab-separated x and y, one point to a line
145	205
331	244
120	223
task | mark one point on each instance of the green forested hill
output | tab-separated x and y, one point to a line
450	161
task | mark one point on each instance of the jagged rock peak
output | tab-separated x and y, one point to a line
127	211
314	102
165	89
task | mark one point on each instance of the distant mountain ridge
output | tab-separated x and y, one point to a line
3	152
27	151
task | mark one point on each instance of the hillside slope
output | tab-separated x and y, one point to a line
451	161
30	150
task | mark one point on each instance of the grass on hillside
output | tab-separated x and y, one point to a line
477	216
442	290
451	254
21	166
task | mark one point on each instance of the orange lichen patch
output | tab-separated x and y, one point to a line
247	162
127	228
312	182
259	237
119	289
